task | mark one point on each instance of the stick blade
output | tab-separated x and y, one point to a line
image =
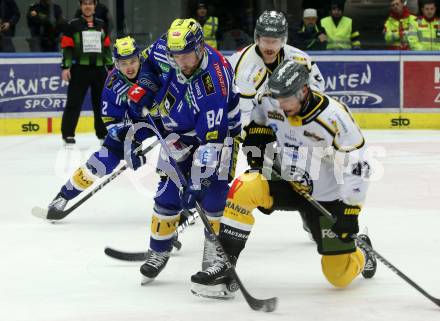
436	301
125	256
267	305
39	212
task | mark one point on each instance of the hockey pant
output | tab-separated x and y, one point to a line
100	163
167	207
341	261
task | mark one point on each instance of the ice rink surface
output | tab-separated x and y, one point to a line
58	272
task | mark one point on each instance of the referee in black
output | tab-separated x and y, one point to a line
86	59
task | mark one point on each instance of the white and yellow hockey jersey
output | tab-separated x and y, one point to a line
323	149
252	74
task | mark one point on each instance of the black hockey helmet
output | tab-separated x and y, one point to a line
288	79
271	24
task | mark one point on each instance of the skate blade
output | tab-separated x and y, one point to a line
146	280
219	291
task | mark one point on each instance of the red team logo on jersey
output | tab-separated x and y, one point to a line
235	187
135	93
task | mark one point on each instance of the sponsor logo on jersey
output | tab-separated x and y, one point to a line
313	135
111	80
198	90
221	78
237	208
258	76
208	84
167	104
212	135
334	125
164	67
175	88
150	84
160	46
275	115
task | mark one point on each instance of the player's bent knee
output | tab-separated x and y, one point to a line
340	270
248	192
251	190
102	162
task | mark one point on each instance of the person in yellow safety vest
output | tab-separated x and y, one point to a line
424	33
396	27
208	23
339	29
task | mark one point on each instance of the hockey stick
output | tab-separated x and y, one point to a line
142	256
55	215
387	263
267	305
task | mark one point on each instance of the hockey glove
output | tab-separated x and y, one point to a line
346	220
190	194
255	142
118	131
134	157
141	95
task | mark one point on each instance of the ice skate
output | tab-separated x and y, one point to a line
56	206
214	282
69	142
154	264
210	254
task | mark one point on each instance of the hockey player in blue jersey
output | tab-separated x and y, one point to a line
196	102
118	120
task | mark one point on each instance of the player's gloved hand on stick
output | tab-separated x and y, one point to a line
141	95
134	157
346	221
118	132
255	142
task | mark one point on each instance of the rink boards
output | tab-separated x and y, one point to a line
385	90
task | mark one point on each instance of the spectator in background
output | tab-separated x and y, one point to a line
322	6
86	54
308	35
424	33
208	23
101	12
46	22
234	38
397	26
9	17
341	35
